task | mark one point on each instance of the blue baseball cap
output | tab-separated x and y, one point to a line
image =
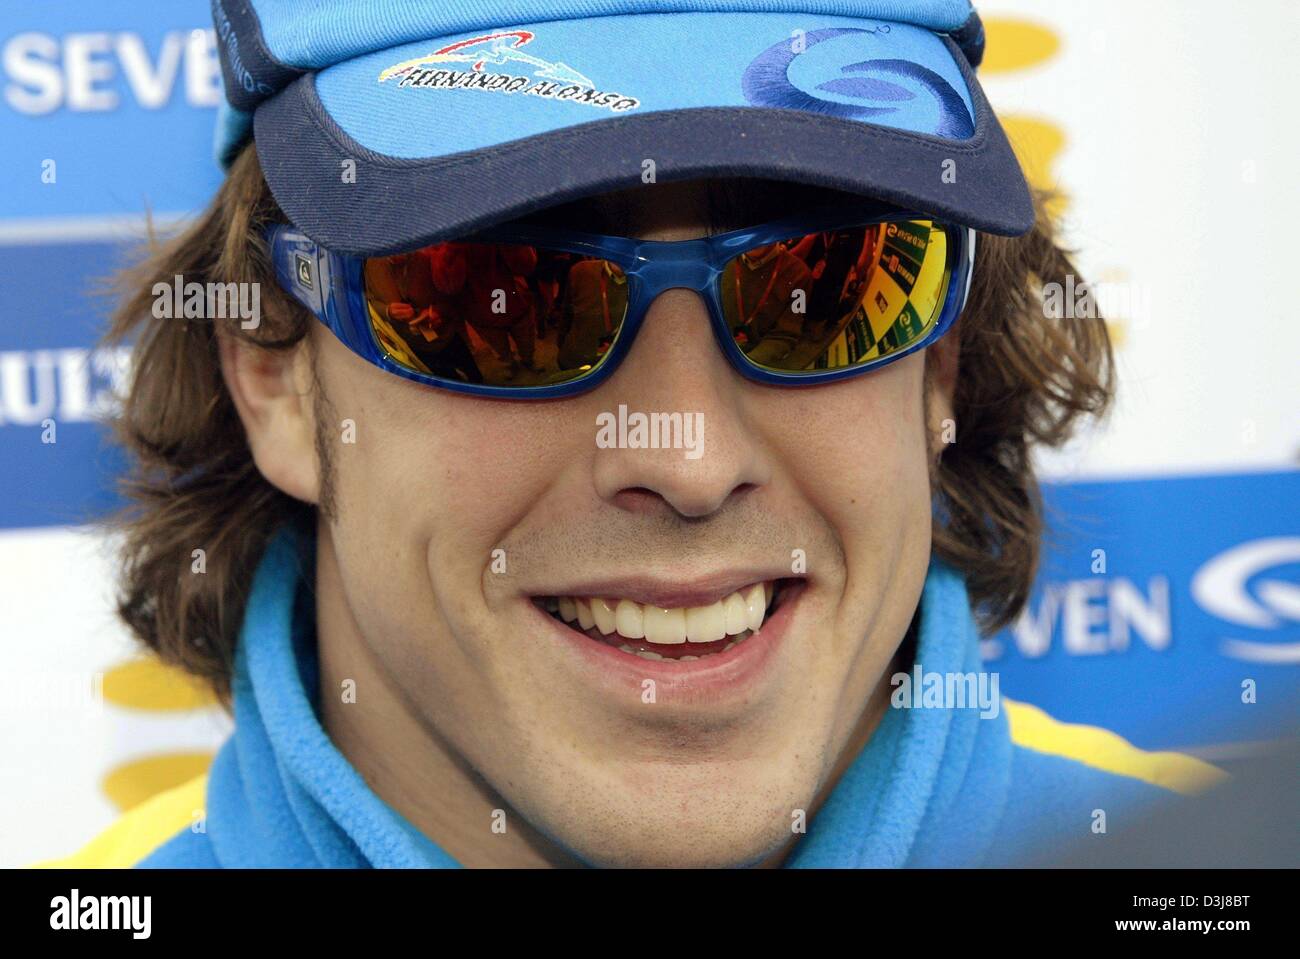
382	125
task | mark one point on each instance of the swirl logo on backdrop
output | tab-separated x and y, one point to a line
837	72
1242	586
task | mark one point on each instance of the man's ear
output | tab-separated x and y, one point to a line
942	362
271	390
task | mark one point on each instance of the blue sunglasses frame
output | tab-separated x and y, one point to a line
331	285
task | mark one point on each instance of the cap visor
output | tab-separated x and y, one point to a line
436	139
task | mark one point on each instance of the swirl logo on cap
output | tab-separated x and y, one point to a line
827	74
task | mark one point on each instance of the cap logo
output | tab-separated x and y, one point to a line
835	79
522	73
303	266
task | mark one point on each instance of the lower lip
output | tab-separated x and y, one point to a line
719	677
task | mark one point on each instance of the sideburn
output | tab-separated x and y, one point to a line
326	417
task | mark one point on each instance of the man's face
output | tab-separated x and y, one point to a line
458	518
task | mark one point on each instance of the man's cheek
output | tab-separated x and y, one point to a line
879	474
380	535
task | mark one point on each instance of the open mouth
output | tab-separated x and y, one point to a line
654	632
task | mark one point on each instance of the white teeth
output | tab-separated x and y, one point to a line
706	624
735	615
666	627
629	619
649	654
756	606
603	611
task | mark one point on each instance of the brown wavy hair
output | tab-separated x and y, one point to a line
1024	379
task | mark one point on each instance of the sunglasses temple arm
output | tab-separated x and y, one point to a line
295	259
970	268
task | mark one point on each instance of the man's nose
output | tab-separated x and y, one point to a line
681	437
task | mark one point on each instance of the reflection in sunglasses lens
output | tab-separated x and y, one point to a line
839	298
496	314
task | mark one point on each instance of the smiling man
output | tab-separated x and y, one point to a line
453	624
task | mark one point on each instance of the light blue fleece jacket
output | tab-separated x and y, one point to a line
933	787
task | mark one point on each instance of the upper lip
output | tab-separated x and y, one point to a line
671	594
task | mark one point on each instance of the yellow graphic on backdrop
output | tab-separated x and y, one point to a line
131	783
1013	45
150	686
1016	45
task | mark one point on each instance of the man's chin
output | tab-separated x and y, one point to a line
724	840
705	814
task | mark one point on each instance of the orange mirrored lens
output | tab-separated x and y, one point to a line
496	314
837	299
